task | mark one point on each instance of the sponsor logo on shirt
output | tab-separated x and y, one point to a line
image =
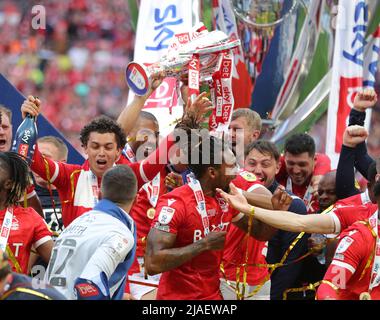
222	226
87	290
166	215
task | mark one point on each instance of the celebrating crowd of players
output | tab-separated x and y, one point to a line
193	216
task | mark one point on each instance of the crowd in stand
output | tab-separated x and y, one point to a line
76	65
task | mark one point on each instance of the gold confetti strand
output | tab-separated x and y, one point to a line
310	286
245	271
272	267
13	259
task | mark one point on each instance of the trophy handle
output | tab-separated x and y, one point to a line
137	78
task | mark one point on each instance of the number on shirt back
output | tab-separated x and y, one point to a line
66	251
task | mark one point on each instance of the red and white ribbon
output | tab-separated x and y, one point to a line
6	228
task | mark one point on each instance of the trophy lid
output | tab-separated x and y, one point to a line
137	78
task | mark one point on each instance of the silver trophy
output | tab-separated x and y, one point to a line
208	45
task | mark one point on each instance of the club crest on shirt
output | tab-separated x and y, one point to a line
166	215
248	176
15	224
344	244
223	204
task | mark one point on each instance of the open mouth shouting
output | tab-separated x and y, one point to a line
3	145
101	164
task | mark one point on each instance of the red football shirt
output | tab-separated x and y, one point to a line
141	214
197	279
346	215
73	182
28	228
236	243
348	269
356	200
124	160
143	217
322	166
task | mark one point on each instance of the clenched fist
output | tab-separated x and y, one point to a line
32	106
365	99
353	135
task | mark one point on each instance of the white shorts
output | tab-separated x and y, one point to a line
230	294
139	286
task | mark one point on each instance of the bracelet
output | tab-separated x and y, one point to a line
252	211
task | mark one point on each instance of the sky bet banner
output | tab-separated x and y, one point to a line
158	22
354	67
225	21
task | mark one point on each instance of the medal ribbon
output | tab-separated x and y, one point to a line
201	203
94	187
6	228
4	236
375	275
153	185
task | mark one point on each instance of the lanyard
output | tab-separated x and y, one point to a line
201	203
94	187
6	228
308	194
128	152
152	189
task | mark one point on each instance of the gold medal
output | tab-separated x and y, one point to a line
150	213
365	296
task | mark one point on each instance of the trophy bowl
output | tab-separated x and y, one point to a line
176	62
263	13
